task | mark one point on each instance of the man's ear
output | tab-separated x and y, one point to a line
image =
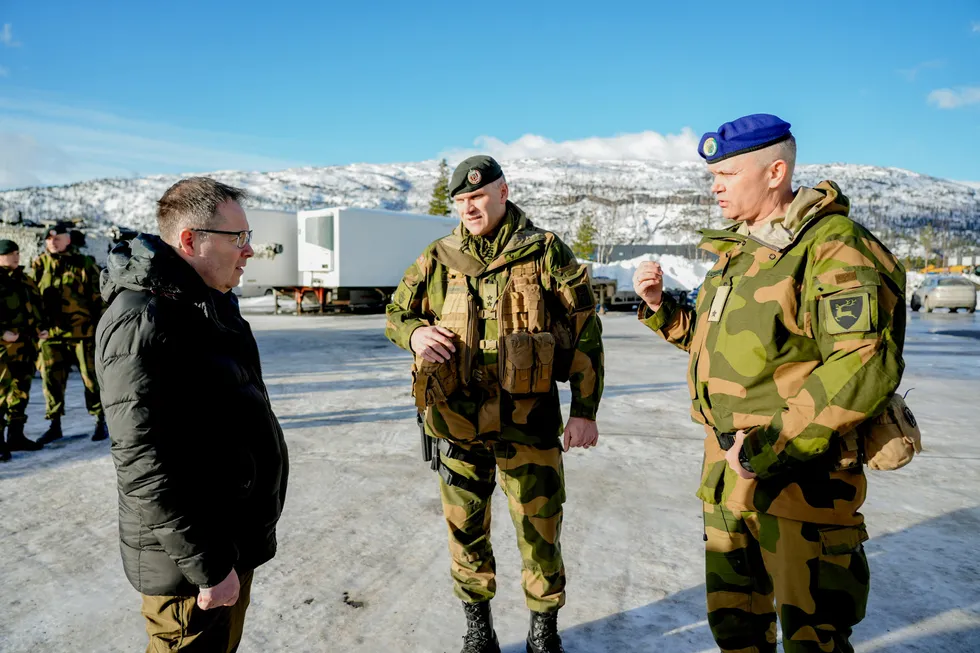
777	173
187	242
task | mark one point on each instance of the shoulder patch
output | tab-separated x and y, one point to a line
848	314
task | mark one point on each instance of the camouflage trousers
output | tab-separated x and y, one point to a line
18	361
533	480
817	575
57	358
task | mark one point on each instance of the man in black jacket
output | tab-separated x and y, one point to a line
200	457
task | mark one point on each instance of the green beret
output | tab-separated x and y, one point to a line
8	247
58	229
473	174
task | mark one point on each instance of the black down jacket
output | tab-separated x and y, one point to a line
200	458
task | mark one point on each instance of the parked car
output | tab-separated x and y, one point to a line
949	292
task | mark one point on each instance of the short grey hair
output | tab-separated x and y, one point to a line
193	204
783	150
497	183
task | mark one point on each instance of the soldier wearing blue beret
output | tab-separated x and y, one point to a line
796	344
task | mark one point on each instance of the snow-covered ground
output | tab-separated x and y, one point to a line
363	517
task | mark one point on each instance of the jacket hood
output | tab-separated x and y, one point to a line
147	263
809	204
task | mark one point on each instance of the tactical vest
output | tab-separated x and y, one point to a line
534	347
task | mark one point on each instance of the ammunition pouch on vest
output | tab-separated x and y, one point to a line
526	350
433	382
534	348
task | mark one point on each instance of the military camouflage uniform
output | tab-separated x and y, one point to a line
72	305
21	314
496	404
797	339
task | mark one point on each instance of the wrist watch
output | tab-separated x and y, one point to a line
743	460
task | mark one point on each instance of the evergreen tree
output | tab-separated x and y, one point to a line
584	244
440	204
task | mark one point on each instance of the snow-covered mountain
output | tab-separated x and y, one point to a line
632	202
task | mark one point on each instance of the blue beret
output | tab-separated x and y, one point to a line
747	134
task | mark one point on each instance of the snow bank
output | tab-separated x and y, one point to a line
679	272
266	304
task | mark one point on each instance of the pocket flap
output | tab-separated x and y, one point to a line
841	279
544	347
708	492
842	540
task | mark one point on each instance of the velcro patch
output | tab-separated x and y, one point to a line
845	277
582	298
848	314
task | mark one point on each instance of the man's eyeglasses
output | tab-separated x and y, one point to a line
243	238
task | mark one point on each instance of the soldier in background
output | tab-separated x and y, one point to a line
796	340
20	325
495	314
69	284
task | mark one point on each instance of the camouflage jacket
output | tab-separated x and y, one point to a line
20	304
476	410
797	339
69	286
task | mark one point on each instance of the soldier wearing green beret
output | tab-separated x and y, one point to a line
796	340
21	326
496	314
72	305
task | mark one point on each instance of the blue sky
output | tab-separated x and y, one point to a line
129	88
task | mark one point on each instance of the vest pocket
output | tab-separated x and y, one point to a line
534	305
518	365
434	382
544	355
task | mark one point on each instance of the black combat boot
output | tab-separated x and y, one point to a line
53	433
16	440
479	637
101	432
543	636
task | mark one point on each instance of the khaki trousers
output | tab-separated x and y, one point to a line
175	623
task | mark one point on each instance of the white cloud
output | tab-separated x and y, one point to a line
911	73
7	36
948	98
976	27
646	145
4	72
22	158
50	143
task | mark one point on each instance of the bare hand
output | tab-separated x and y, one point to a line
43	335
581	432
10	336
222	594
648	283
434	343
732	457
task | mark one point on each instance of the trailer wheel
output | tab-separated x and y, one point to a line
310	302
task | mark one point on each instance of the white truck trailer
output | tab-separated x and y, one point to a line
275	261
335	258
